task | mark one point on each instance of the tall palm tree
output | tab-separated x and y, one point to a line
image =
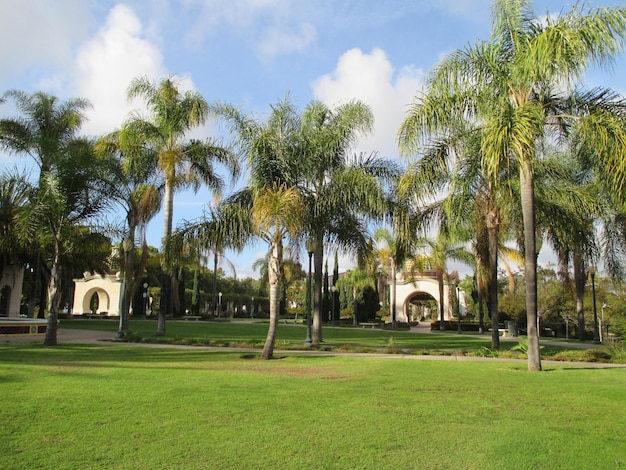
271	205
134	186
516	86
43	130
183	162
339	193
70	195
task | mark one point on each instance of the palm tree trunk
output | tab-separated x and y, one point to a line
54	297
273	271
442	321
166	279
355	306
493	287
215	282
530	265
393	293
317	294
493	225
579	282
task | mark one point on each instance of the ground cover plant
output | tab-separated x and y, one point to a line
252	334
123	406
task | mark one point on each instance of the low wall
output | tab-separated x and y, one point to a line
22	326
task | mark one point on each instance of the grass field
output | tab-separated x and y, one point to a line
123	406
253	334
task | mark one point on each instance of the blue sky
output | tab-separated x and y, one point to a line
246	52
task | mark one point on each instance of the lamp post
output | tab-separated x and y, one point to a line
219	305
596	335
310	248
458	307
252	309
145	300
127	246
333	289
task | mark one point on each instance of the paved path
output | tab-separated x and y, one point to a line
104	338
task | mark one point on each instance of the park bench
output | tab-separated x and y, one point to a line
191	317
369	325
502	332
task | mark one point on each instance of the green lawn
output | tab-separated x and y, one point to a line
336	339
289	335
124	406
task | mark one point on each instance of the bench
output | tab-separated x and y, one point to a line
369	325
502	332
292	321
191	317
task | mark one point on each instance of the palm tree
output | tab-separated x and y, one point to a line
182	162
70	195
394	253
43	130
516	88
221	228
133	185
339	193
15	230
271	204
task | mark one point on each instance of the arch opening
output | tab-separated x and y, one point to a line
421	306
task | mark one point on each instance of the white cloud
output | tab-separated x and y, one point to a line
106	64
372	79
39	34
279	40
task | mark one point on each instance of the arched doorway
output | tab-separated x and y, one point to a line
421	306
96	301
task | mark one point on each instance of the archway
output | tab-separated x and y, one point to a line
106	289
420	288
421	306
96	301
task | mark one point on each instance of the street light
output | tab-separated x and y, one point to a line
458	307
311	245
252	309
596	335
219	305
